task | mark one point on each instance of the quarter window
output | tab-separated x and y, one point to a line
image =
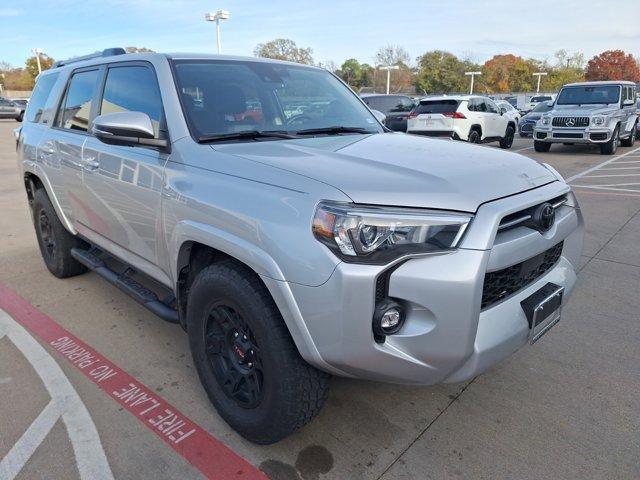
75	112
132	89
36	105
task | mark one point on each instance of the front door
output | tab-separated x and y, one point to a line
123	184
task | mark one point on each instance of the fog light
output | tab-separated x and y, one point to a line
387	318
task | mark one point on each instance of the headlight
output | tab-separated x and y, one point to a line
599	121
545	121
377	235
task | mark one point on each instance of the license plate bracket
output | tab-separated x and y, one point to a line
543	310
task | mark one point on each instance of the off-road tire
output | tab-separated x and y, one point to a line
631	139
293	391
507	140
611	147
54	240
541	147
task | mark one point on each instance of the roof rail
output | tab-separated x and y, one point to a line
107	52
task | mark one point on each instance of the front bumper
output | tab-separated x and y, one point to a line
594	135
446	336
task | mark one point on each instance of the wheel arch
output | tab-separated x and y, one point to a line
477	127
34	180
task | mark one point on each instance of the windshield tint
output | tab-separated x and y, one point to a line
539	99
437	106
227	96
589	95
542	107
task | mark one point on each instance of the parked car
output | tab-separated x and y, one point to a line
470	118
535	100
509	111
291	247
10	109
525	127
396	109
600	113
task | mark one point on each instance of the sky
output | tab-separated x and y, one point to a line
334	29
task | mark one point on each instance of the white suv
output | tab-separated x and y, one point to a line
462	117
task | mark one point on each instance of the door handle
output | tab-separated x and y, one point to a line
90	163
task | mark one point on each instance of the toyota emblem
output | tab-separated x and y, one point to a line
544	217
570	122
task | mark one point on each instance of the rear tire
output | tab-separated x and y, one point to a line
629	141
20	117
541	147
611	147
54	240
474	136
507	140
245	356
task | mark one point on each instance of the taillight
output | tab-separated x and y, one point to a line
454	115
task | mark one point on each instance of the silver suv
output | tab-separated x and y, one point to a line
262	207
601	113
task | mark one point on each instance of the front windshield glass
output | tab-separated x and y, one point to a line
585	95
542	107
225	97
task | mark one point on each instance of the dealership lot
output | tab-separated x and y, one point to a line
565	408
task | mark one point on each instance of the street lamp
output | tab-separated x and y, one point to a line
37	52
472	75
539	74
216	17
388	68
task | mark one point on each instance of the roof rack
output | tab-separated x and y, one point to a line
107	52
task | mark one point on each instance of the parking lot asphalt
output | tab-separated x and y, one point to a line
565	408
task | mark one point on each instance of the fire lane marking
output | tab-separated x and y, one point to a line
65	403
203	451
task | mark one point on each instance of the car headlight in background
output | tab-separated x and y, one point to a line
378	235
546	121
599	120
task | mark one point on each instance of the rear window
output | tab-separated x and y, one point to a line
39	97
389	104
437	106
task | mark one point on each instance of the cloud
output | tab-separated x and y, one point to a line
9	12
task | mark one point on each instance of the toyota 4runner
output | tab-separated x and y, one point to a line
600	113
262	207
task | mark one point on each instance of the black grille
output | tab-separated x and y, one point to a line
566	135
503	283
598	136
541	135
570	122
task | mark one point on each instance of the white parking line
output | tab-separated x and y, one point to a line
524	148
592	169
65	403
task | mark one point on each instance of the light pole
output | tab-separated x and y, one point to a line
216	17
472	75
388	68
539	74
37	52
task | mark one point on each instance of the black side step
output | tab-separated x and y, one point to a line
128	285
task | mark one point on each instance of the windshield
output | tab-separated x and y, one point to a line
589	95
539	99
225	97
543	107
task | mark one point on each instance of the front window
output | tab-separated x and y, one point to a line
543	107
589	95
226	97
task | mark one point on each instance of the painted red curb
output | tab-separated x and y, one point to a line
210	456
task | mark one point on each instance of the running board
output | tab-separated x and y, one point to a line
128	285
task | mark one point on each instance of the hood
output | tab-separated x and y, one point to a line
401	170
534	116
582	110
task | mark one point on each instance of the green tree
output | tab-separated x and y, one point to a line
568	68
442	72
31	64
284	49
351	72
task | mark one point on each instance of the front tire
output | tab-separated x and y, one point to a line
507	140
541	147
54	240
245	356
611	147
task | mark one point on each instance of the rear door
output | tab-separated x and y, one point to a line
497	122
435	115
123	183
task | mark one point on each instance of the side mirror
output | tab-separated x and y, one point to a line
503	110
126	128
382	118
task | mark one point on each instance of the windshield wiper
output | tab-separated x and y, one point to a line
244	135
335	130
